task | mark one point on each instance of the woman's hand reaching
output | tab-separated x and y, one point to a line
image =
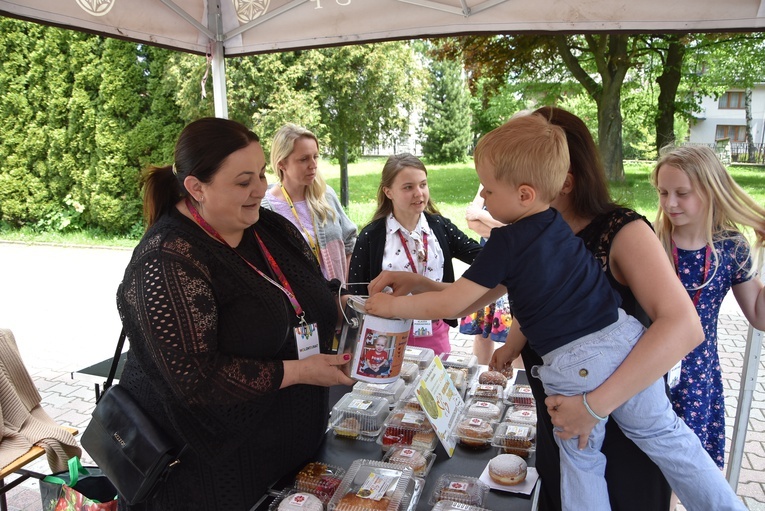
570	418
322	370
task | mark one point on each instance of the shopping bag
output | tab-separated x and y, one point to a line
79	489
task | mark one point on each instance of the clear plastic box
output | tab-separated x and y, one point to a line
473	432
358	416
409	371
420	356
458	488
450	505
291	499
320	479
408	427
412	494
419	460
518	439
520	394
487	392
461	361
521	415
484	409
459	378
390	391
372	485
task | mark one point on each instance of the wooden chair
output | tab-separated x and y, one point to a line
17	467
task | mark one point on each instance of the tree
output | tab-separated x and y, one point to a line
599	62
445	123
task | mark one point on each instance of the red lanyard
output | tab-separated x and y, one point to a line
409	256
707	264
284	286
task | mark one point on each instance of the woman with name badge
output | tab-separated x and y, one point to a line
230	323
407	233
303	197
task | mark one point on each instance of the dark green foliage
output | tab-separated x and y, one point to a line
446	121
81	115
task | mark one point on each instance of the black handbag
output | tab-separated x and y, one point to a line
127	444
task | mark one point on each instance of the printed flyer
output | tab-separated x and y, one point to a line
441	401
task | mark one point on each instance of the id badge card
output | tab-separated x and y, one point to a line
307	337
673	376
422	327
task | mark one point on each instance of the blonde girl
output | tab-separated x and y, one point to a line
700	219
303	197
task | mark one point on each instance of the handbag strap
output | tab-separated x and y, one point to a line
115	361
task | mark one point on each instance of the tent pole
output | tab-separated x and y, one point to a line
746	390
219	80
215	23
745	396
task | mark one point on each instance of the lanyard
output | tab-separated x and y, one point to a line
707	264
311	242
409	256
284	286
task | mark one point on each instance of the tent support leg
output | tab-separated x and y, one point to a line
745	395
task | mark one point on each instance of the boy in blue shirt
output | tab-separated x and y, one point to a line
569	314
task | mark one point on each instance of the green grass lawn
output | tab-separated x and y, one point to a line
452	187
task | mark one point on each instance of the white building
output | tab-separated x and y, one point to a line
726	118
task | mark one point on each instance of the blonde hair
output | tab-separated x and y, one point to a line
527	150
316	193
393	165
728	205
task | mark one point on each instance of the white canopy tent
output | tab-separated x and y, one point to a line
222	28
240	27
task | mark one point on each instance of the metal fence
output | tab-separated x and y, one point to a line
736	152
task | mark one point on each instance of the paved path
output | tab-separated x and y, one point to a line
60	304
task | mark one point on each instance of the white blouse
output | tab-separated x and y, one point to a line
395	254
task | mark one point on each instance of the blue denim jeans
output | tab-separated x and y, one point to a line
647	419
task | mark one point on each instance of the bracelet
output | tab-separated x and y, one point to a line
584	400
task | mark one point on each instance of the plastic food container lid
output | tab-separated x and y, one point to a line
420	356
521	415
372	485
291	499
359	416
319	478
520	394
409	371
419	460
390	391
513	438
487	392
484	409
408	427
458	488
474	432
459	360
459	377
450	505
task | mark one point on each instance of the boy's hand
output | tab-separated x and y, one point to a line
380	304
402	283
503	356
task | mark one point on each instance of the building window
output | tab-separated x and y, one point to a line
734	133
733	100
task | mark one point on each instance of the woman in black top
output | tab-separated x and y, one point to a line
210	302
